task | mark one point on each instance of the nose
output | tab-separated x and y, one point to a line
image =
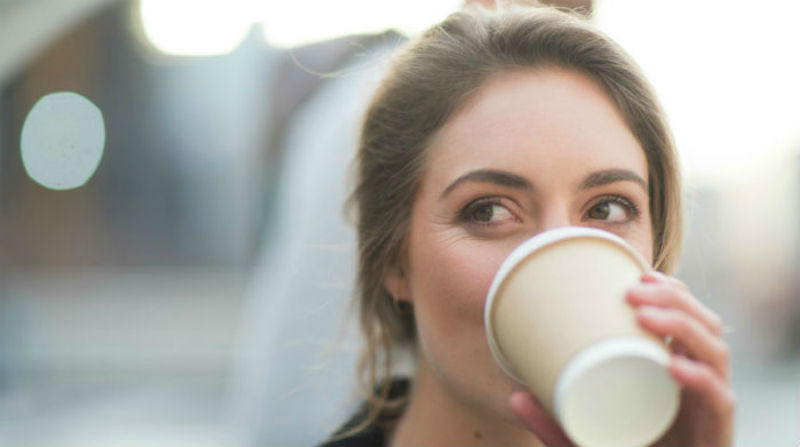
555	215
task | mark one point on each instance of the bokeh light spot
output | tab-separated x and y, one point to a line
195	28
62	141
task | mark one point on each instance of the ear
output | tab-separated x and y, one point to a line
396	283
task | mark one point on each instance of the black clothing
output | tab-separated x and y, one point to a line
376	434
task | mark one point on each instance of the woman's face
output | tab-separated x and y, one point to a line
531	151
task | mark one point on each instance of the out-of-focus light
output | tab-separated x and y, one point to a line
728	74
196	27
292	23
62	140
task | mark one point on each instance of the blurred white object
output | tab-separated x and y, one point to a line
62	140
195	28
288	24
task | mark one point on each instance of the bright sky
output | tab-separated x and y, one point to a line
727	72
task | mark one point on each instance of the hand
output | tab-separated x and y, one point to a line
535	417
665	307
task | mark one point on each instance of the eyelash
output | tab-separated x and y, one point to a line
633	210
466	212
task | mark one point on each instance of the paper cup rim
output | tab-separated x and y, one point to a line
524	250
613	348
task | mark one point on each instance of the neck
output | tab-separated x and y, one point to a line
434	417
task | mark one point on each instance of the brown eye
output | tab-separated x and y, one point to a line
610	211
484	212
600	211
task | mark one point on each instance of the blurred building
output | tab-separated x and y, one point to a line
119	300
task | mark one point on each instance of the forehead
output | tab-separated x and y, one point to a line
546	122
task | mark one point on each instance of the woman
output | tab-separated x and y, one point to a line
490	128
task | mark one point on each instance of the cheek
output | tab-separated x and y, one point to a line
449	283
450	280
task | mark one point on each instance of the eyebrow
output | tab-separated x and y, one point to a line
502	178
505	178
607	176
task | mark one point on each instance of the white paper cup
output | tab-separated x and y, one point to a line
557	322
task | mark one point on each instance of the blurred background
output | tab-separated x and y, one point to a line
185	282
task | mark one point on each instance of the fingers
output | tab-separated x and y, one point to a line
700	379
536	419
667	308
698	341
660	290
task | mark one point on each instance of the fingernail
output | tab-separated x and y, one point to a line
643	295
640	290
653	275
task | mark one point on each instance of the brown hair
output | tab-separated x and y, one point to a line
427	81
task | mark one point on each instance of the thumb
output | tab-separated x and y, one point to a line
536	419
